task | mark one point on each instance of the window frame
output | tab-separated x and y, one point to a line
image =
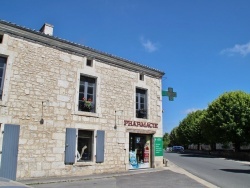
3	75
141	94
91	148
86	86
89	62
141	77
1	38
71	147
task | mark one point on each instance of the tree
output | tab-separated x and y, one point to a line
189	130
166	140
228	118
173	137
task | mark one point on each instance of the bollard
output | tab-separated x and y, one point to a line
165	161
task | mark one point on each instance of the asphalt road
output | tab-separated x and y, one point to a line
218	171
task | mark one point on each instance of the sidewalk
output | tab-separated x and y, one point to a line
170	166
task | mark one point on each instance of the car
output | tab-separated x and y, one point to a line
168	149
178	149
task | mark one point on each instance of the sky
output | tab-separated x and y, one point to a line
203	46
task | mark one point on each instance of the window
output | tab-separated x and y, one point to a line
2	72
89	62
79	146
141	103
84	145
1	38
141	77
87	94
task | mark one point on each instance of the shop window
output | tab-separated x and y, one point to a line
89	62
3	61
84	145
139	151
79	146
141	103
87	94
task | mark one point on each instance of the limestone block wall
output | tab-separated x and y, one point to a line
42	82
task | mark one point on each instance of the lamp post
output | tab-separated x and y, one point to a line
42	120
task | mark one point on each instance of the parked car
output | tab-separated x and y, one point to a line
178	149
168	149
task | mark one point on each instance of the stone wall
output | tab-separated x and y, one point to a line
35	74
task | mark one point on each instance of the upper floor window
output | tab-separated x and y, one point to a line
2	73
87	93
1	38
141	77
89	62
141	103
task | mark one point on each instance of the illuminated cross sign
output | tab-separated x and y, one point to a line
170	93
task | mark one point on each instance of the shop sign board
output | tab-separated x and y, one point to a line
158	142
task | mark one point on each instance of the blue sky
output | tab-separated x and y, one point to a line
203	46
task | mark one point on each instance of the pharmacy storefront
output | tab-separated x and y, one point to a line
140	145
139	151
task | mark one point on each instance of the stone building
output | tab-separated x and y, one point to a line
73	110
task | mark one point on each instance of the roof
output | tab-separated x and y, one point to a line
78	49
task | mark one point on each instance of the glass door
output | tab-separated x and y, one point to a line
139	151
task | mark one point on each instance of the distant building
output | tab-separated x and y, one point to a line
67	109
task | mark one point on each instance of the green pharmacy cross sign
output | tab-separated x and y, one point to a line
170	93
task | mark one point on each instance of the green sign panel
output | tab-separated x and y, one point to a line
158	146
170	93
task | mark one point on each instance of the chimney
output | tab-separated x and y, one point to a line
47	29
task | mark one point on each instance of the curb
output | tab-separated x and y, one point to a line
87	177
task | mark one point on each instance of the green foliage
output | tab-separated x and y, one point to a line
228	118
166	140
174	138
189	130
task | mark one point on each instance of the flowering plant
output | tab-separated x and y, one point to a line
141	113
87	104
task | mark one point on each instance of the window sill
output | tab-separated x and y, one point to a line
82	164
141	118
89	114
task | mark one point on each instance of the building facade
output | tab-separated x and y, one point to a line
76	110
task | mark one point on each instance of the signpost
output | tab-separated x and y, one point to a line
158	146
170	93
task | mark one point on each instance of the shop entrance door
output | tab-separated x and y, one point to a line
139	151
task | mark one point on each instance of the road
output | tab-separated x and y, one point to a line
218	171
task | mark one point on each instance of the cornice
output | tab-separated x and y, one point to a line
64	45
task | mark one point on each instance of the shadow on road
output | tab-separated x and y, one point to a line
196	155
236	171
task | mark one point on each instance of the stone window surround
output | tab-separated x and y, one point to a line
90	72
4	52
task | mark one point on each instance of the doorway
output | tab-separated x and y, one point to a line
139	151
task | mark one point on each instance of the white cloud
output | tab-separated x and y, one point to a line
243	50
148	45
